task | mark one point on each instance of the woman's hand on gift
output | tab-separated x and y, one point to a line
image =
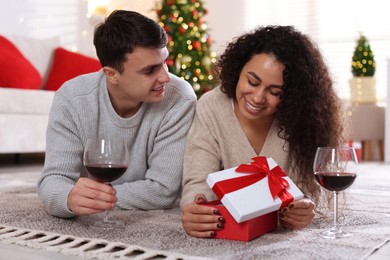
297	214
90	197
200	220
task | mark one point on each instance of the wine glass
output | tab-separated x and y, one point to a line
335	169
106	160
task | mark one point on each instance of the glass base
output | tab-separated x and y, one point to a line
334	233
107	224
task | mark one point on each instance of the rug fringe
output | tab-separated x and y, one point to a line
82	247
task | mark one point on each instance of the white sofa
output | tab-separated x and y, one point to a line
23	119
23	112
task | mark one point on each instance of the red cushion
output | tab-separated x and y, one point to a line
67	65
16	70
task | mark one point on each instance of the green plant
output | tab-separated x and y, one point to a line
363	63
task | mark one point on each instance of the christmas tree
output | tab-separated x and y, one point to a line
363	63
189	43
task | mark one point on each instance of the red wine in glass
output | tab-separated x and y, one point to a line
106	160
334	181
106	172
335	169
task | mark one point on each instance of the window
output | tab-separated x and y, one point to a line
335	25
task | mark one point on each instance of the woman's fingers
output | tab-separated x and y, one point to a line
201	221
298	214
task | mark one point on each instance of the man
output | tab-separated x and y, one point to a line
132	97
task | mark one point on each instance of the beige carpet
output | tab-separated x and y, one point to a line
159	235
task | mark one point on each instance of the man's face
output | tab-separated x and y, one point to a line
143	78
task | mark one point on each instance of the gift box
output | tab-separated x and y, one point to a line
247	230
254	189
358	149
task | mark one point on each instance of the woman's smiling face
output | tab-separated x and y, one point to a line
259	87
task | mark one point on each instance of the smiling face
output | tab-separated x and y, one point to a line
259	87
142	80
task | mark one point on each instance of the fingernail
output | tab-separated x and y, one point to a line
291	206
281	215
219	225
213	233
216	212
221	219
200	199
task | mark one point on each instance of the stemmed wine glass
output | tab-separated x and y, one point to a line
106	160
335	169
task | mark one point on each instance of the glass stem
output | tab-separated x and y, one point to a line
335	211
106	218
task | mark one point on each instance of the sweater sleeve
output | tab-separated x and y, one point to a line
162	183
202	154
63	159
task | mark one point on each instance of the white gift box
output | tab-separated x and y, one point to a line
253	200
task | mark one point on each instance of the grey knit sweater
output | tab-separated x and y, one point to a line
155	135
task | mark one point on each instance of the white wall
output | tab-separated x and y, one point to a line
387	117
225	21
44	18
68	20
220	31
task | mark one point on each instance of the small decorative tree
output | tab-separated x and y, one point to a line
363	83
363	63
189	43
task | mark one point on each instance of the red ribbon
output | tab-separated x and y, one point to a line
260	169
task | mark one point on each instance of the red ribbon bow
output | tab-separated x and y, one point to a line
260	169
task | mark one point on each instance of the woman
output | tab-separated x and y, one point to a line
276	99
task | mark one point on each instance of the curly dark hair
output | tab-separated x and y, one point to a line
309	113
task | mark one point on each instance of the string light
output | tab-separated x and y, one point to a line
98	7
